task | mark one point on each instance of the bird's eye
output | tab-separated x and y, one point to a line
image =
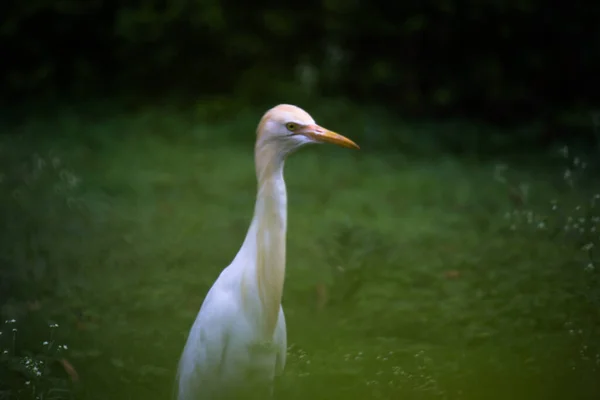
291	126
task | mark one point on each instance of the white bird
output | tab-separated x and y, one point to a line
239	337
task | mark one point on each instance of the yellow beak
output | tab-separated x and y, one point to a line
323	135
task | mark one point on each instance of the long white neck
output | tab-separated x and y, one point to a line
265	244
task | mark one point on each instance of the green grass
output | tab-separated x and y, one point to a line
434	290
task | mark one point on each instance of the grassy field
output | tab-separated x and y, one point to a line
430	277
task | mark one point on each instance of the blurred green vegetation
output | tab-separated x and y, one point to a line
500	60
417	275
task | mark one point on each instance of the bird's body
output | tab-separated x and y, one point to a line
239	337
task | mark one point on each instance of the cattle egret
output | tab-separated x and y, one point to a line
239	336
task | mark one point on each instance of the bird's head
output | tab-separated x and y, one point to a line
288	128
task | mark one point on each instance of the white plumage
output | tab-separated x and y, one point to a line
238	341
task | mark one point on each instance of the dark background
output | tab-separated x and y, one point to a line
126	185
501	61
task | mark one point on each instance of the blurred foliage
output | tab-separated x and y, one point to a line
34	372
40	200
433	277
500	59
